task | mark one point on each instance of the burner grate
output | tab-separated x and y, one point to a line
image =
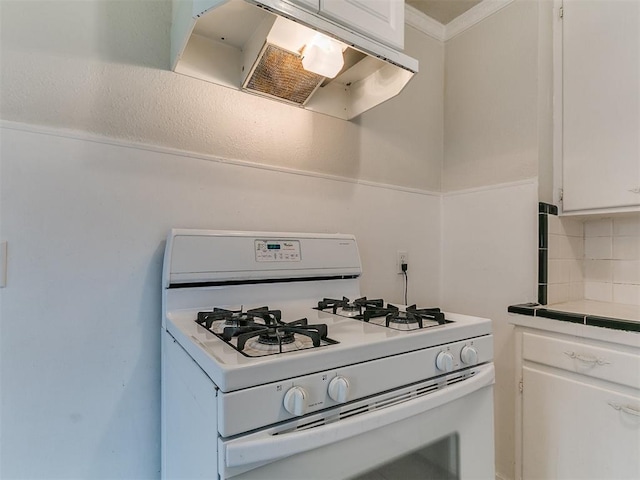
261	331
347	305
412	318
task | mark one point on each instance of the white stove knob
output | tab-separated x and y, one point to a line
339	389
444	361
296	401
469	355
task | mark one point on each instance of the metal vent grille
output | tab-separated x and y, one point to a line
279	73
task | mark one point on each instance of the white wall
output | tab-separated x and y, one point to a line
491	100
498	130
80	316
489	261
85	220
102	66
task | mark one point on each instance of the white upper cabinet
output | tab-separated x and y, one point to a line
313	5
599	56
382	20
379	19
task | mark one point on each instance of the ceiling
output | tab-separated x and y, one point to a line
443	10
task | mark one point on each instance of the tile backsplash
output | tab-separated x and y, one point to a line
565	277
612	259
591	259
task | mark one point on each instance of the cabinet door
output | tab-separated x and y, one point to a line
572	429
601	104
379	19
312	5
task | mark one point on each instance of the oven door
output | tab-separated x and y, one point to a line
442	428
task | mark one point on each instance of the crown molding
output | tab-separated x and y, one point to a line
424	23
427	25
473	16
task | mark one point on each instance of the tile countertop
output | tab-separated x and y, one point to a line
584	312
599	309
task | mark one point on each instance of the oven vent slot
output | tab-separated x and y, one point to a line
409	393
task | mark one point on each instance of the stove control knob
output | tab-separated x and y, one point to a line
339	389
296	401
444	361
469	355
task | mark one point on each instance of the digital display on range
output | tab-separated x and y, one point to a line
277	251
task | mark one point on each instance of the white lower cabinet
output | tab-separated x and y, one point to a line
571	429
579	407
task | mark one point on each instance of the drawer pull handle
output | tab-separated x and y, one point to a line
586	359
625	408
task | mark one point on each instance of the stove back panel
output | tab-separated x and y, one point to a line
209	256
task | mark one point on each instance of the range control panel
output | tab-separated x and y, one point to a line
277	250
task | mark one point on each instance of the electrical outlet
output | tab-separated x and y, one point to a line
403	257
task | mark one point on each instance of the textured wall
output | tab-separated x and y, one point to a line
489	261
491	100
102	66
85	221
80	316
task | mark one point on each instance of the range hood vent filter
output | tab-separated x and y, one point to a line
279	73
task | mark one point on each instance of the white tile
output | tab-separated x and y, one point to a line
573	227
602	292
554	225
598	247
598	271
598	228
577	247
626	226
558	293
576	291
571	247
559	271
576	271
565	226
627	294
626	248
626	271
554	246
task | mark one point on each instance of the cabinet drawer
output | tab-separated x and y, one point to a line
597	362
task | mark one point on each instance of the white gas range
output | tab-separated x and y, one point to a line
273	364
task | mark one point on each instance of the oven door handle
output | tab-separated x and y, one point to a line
265	447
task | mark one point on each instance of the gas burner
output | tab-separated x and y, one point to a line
260	331
220	318
412	318
348	308
275	337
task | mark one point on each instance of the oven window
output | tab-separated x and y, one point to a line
438	460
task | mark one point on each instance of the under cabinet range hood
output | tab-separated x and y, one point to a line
288	53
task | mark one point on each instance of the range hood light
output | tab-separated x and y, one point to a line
323	56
